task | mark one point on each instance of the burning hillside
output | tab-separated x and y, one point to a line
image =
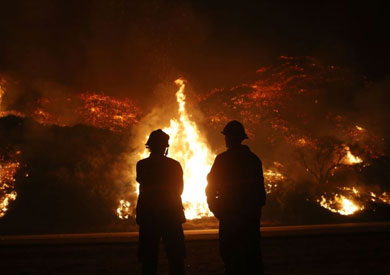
317	155
296	114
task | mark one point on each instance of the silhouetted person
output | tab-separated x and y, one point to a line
159	211
236	194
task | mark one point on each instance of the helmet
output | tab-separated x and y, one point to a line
157	138
235	129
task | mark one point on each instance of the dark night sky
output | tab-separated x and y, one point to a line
126	48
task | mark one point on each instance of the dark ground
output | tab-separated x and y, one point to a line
290	251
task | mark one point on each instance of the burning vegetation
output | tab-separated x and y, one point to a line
106	112
314	154
297	116
8	169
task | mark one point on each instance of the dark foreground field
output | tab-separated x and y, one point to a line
328	249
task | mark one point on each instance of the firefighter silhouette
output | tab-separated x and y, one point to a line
236	194
159	211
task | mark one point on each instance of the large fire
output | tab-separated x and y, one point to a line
287	109
339	203
189	148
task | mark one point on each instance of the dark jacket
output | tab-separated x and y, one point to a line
160	187
236	185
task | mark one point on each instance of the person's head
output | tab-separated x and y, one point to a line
234	133
158	142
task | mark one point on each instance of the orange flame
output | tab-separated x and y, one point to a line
123	210
8	170
271	178
188	147
361	129
350	159
107	112
340	204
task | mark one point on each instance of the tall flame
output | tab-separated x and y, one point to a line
189	148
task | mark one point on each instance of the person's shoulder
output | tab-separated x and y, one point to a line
253	155
172	161
257	159
142	162
225	153
222	155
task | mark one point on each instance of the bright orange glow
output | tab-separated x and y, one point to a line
271	179
301	142
359	128
123	210
382	198
8	170
188	147
107	112
341	205
350	159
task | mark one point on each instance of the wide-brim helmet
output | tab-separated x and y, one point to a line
235	129
157	138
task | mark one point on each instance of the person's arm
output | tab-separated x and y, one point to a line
263	196
180	180
212	187
138	173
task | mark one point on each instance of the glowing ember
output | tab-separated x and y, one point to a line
359	128
8	170
44	117
271	178
301	142
383	198
340	204
350	159
123	210
353	190
107	112
97	110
